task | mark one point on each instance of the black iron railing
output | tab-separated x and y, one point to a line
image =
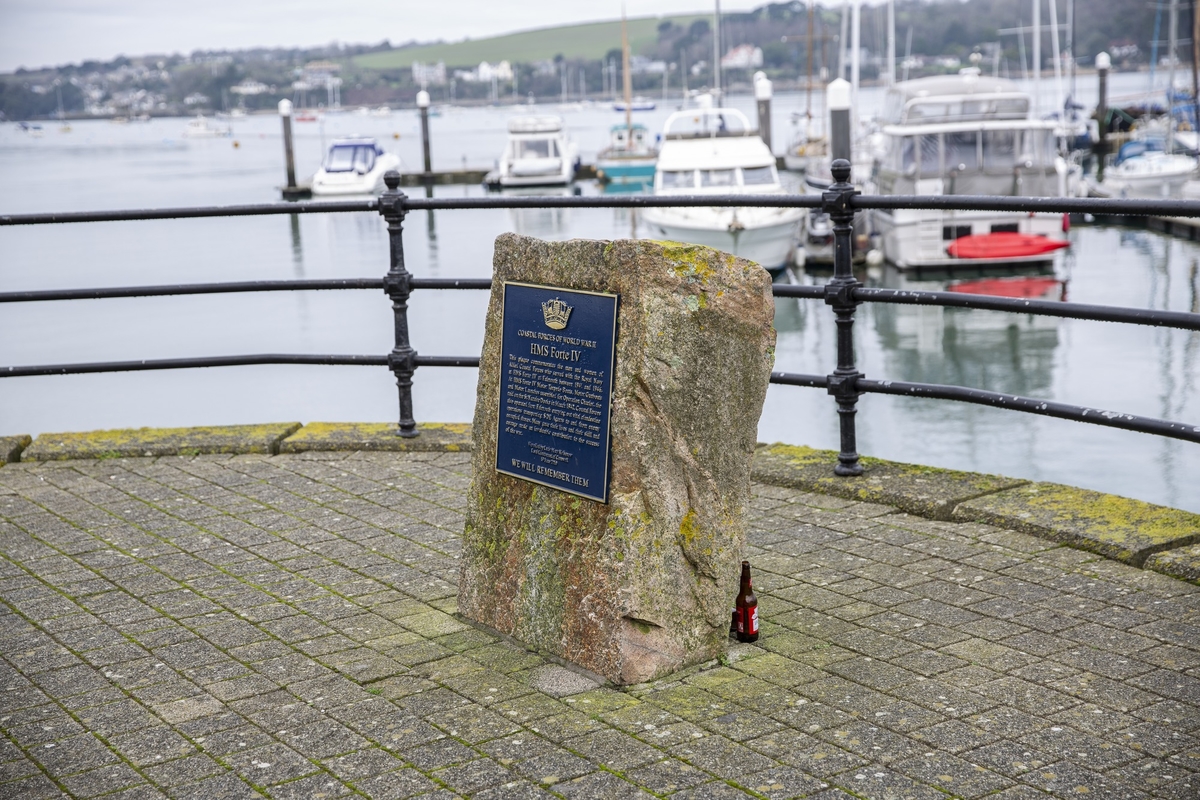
843	293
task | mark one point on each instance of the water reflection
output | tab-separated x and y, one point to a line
551	223
992	350
431	233
297	246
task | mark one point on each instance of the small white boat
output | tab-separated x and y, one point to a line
1142	169
718	158
202	128
354	166
538	153
635	104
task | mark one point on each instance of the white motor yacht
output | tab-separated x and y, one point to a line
538	153
354	166
971	135
713	151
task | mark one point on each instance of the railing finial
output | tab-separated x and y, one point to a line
841	170
391	179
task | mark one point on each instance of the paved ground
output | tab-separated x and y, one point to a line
226	626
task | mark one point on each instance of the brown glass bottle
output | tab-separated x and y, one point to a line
746	608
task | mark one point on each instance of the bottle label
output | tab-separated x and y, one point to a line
748	621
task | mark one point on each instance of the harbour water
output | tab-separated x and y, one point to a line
103	165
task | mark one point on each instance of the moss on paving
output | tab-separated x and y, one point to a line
132	442
925	491
346	436
1117	527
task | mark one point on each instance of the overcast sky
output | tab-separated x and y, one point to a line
39	33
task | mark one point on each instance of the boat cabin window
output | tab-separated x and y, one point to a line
350	158
999	149
758	176
677	179
931	154
1038	148
535	148
717	177
962	150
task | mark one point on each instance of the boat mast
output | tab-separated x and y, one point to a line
628	82
1037	58
1174	40
1057	59
1071	47
891	41
856	49
808	86
717	53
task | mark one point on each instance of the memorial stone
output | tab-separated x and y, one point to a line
633	577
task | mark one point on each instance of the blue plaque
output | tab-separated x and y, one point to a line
556	370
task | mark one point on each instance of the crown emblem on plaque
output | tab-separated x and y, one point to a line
556	314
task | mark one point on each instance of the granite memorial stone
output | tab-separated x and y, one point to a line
635	579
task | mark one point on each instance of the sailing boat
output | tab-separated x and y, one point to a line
806	144
631	155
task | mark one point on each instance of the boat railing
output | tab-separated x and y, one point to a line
843	293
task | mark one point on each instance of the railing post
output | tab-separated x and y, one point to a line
839	293
397	283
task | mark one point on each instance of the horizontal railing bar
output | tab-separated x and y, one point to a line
234	287
797	379
248	210
797	290
624	201
1048	308
1172	319
447	361
1087	205
190	288
188	363
1065	205
229	361
450	283
1030	405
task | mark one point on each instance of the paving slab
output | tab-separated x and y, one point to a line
284	626
1181	562
140	442
11	447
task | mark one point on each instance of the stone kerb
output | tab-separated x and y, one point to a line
643	585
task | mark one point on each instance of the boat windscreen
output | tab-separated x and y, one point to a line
717	177
677	179
350	158
757	176
535	148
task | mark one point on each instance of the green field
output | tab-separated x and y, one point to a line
589	41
